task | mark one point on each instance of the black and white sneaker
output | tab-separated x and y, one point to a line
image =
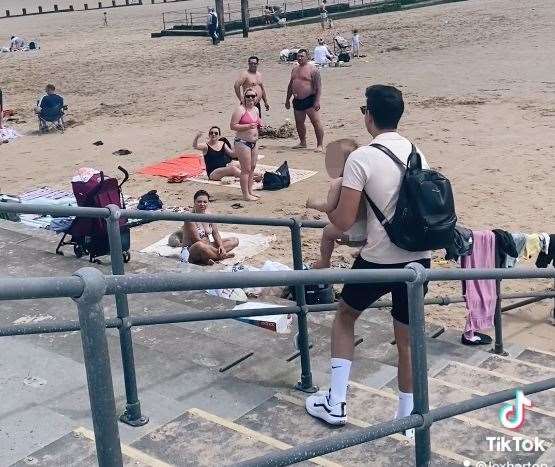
318	405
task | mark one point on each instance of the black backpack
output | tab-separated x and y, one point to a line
278	179
424	217
150	201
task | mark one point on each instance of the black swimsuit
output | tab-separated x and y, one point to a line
215	159
304	104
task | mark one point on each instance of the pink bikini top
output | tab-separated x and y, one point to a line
247	118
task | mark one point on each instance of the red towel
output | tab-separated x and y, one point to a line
185	165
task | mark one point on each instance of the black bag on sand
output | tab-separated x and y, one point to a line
424	217
344	57
150	201
278	179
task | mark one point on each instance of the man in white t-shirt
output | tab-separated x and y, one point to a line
16	43
322	55
369	169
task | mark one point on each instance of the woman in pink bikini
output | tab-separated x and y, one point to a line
245	121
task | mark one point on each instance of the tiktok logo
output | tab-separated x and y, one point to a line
512	415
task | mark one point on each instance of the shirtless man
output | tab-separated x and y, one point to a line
305	86
252	79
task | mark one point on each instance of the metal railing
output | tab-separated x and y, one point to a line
88	286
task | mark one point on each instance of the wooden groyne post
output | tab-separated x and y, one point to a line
245	17
221	19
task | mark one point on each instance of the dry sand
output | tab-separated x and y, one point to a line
478	79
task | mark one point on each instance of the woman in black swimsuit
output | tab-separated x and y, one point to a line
217	155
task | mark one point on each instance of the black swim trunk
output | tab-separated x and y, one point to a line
259	109
361	296
304	104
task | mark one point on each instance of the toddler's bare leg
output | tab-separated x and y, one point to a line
329	235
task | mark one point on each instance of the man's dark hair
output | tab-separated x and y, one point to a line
300	51
385	104
253	57
201	193
50	87
12	37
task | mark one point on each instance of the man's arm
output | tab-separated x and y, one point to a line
289	92
345	214
238	85
317	86
264	98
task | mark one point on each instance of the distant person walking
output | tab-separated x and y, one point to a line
305	86
355	43
212	26
324	18
252	79
105	19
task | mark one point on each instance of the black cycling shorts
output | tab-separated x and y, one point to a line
361	296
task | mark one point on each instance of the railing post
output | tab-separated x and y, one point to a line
497	321
132	414
97	366
305	384
415	292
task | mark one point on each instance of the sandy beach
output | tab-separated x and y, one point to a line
477	76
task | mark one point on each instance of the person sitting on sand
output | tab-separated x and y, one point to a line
245	121
16	43
217	154
322	54
337	153
195	237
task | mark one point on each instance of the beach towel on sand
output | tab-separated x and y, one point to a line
296	175
185	165
249	246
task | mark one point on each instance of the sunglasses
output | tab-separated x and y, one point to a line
363	109
213	133
250	96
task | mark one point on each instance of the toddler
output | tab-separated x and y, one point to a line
355	44
336	156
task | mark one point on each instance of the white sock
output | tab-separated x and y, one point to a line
340	369
406	404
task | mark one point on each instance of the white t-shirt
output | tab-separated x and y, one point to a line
355	41
370	169
321	54
17	43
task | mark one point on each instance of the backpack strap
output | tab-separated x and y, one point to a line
389	153
379	215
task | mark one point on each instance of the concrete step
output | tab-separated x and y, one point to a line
284	417
517	368
485	380
201	438
538	423
442	393
538	357
77	449
446	434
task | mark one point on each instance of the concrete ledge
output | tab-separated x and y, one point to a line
235	27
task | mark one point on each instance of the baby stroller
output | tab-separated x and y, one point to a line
339	42
89	236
